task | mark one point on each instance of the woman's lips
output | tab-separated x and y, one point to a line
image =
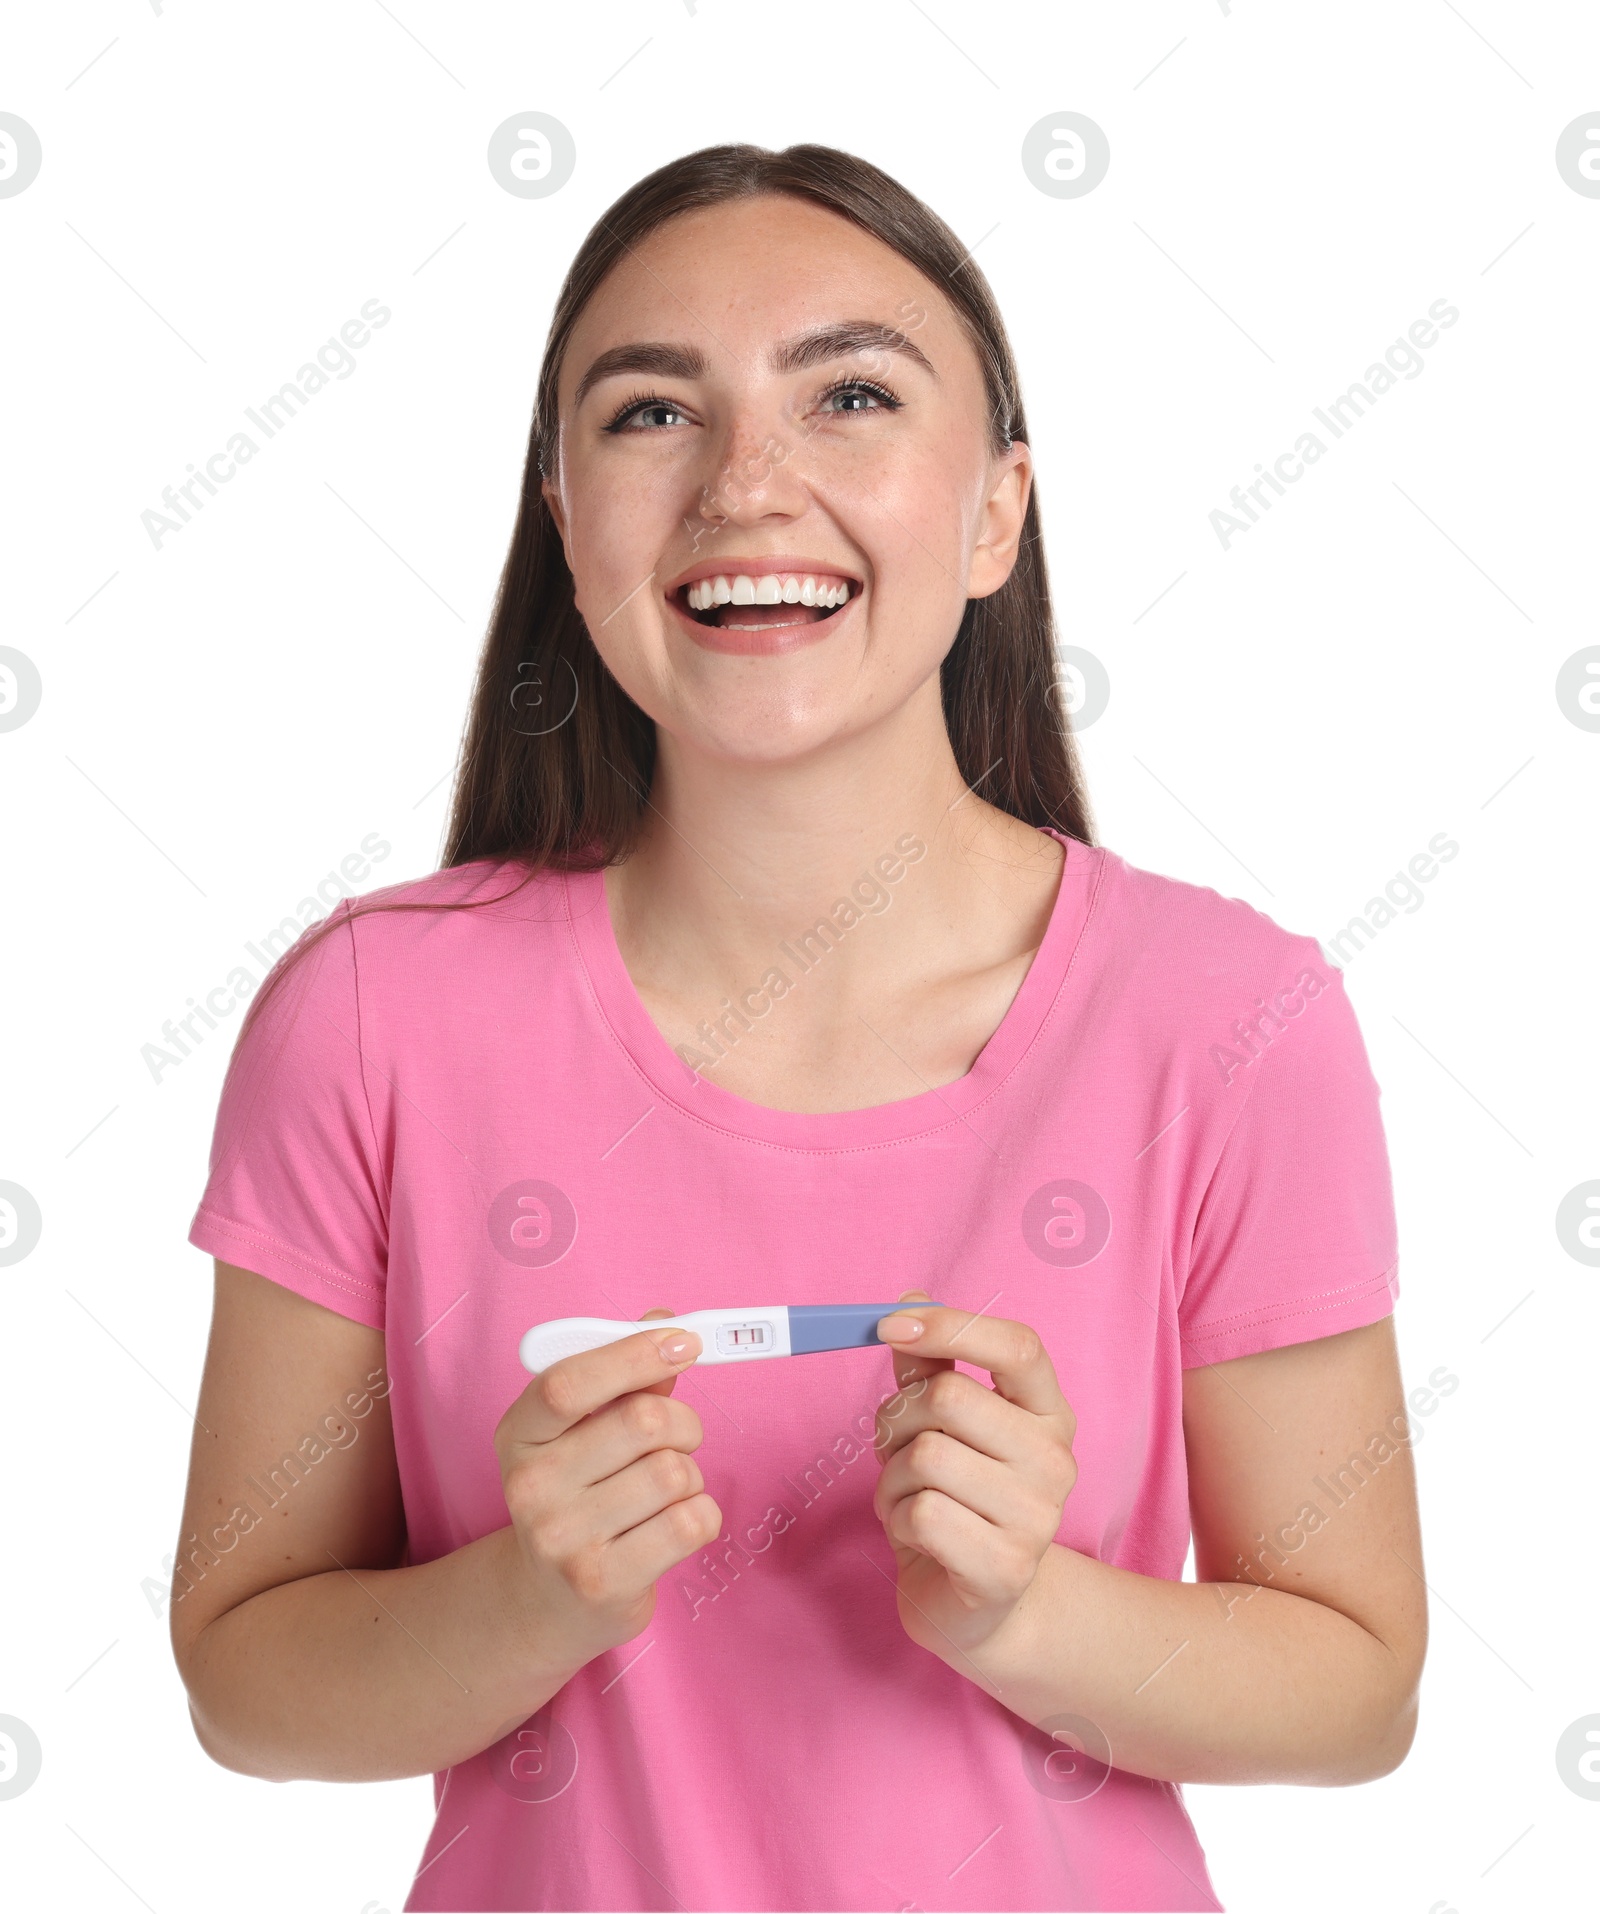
762	630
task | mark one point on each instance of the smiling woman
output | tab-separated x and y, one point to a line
779	543
822	278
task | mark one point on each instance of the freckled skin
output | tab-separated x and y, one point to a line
895	497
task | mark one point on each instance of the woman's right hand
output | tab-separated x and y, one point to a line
597	1465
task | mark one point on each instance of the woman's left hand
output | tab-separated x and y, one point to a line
974	1478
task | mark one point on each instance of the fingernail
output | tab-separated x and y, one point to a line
675	1347
901	1328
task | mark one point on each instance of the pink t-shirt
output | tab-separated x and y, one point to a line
453	1125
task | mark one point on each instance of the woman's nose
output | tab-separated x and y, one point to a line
755	472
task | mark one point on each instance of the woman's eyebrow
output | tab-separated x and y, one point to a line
816	347
652	356
843	339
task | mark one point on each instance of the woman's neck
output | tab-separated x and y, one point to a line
925	902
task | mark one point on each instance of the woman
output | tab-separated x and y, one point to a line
774	961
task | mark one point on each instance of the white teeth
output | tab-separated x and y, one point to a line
740	588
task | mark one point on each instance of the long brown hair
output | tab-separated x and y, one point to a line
571	796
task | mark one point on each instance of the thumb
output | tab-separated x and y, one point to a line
668	1383
907	1367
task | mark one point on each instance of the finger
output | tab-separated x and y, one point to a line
666	1386
578	1385
989	1488
644	1554
911	1381
631	1496
962	1543
617	1435
965	1408
1012	1353
907	1367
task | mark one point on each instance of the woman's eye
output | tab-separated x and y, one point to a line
856	398
648	414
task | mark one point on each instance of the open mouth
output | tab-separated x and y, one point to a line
766	601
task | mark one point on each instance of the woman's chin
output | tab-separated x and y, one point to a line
762	732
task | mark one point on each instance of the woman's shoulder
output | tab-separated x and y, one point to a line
480	880
447	914
1195	932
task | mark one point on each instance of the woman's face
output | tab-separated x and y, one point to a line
765	395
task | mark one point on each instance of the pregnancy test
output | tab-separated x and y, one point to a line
726	1335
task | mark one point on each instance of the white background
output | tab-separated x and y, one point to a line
225	718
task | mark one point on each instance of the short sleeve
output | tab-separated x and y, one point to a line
1295	1236
296	1190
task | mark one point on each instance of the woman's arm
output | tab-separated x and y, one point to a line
1296	1657
306	1652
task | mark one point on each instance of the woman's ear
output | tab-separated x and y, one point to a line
1005	513
552	498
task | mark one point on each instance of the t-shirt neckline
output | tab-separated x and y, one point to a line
698	1097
